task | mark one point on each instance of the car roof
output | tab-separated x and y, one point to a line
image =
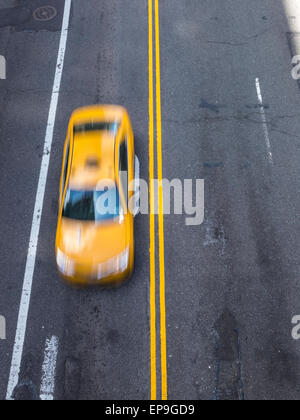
95	130
92	159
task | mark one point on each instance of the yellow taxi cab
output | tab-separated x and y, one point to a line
95	231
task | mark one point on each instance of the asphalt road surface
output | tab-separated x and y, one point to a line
226	291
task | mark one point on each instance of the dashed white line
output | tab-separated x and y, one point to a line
38	208
264	121
49	370
2	328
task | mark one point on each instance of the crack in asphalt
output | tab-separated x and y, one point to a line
243	43
245	118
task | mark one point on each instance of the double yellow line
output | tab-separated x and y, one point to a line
162	300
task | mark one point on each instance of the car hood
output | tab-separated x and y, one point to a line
87	242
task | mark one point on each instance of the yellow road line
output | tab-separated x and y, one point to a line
152	215
161	214
163	345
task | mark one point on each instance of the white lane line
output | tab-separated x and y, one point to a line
49	370
264	121
35	227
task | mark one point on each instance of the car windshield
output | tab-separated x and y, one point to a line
111	127
96	206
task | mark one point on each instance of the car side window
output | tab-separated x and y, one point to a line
123	167
123	157
65	169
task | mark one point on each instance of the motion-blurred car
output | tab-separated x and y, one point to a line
95	232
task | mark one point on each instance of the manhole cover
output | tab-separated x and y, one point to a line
45	13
